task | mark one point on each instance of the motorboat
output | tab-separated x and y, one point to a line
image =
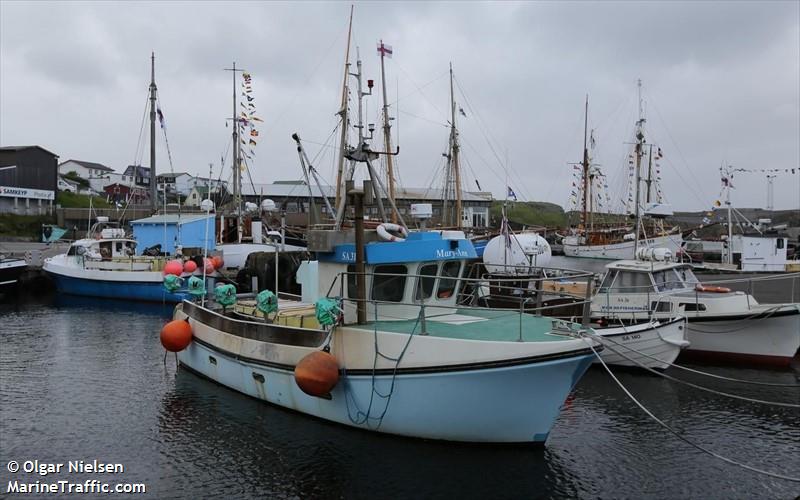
722	323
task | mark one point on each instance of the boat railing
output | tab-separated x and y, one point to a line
526	290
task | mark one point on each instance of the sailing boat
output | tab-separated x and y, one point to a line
106	264
620	241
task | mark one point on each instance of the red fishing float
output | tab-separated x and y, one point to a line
317	373
173	267
209	265
176	335
218	262
190	266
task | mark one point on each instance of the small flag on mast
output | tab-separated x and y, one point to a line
511	193
384	50
160	116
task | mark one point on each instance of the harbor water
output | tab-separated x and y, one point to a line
87	380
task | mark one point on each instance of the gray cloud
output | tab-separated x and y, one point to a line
721	84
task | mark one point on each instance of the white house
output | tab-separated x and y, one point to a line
84	169
180	183
100	182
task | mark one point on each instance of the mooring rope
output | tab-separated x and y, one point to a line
700	387
765	314
707	374
679	435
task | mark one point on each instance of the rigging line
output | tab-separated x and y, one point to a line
398	99
300	88
425	119
400	67
674	143
681	436
136	155
600	339
521	187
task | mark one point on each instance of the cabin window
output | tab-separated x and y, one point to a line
71	250
426	280
352	284
687	275
661	306
779	243
448	283
389	283
692	307
607	280
667	280
628	282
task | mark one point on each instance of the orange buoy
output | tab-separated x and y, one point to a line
218	262
209	266
712	289
173	267
190	266
317	373
176	335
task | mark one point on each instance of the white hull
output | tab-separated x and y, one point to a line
771	337
638	345
619	251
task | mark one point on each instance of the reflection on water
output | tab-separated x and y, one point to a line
78	383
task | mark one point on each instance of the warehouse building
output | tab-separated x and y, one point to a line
28	180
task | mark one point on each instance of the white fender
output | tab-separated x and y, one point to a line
383	232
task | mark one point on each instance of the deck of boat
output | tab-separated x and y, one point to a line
472	324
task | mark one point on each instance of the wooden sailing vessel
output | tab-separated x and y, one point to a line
617	240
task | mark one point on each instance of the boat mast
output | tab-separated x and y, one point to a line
343	114
585	164
237	170
153	187
387	137
454	152
639	147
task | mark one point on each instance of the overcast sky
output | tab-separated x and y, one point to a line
721	85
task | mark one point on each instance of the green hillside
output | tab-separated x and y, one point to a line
529	213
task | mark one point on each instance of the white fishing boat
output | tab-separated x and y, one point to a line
721	323
513	282
408	360
396	353
105	264
596	239
653	344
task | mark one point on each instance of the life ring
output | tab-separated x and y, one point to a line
712	289
383	232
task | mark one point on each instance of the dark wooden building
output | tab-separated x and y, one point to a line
28	180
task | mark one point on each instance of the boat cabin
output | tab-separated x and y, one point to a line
424	269
635	288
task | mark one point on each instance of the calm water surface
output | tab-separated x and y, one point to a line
88	381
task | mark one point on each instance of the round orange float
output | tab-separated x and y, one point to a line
317	373
218	262
176	335
208	264
173	267
190	266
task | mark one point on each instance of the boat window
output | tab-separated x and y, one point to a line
779	243
661	306
352	286
628	282
426	280
667	280
691	306
448	282
687	275
607	280
386	286
71	250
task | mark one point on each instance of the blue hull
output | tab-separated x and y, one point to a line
514	404
150	292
